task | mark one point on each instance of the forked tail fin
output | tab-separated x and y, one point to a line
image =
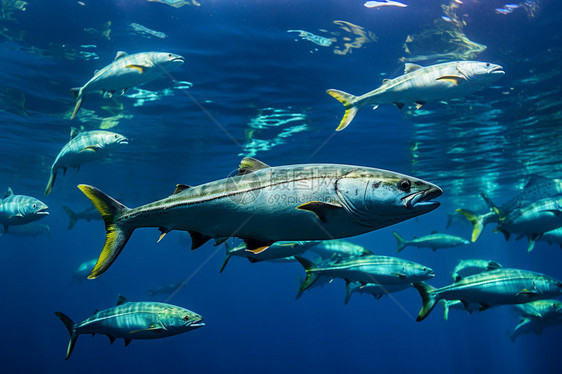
71	215
117	234
351	108
79	98
311	277
51	182
429	299
476	220
70	327
401	243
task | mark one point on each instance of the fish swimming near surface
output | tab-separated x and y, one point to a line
20	209
490	288
133	320
422	84
83	147
88	214
264	204
536	316
127	71
377	290
472	266
383	270
536	188
434	241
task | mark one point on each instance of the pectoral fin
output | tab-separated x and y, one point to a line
526	292
257	246
140	68
400	275
454	79
150	328
90	148
320	209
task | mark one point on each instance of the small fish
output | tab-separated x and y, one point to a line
551	237
264	204
133	320
382	270
377	290
472	266
536	188
422	84
490	288
83	147
167	289
20	209
434	241
337	250
88	214
81	273
536	316
376	4
127	71
277	251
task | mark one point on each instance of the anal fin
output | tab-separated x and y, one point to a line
198	239
257	246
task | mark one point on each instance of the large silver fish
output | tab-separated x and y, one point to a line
536	316
536	188
383	270
127	71
434	241
133	320
421	84
83	147
496	287
20	209
264	204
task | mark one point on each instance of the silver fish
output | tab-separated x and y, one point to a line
83	147
127	71
551	237
20	209
383	270
88	214
496	287
264	204
472	266
377	290
536	316
133	320
338	250
434	241
421	84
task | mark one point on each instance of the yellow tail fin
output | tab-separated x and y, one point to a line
348	101
117	234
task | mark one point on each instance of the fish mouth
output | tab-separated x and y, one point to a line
197	324
42	211
123	141
497	70
423	198
178	58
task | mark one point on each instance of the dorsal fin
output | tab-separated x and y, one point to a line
408	68
73	132
249	165
121	300
181	188
119	55
8	193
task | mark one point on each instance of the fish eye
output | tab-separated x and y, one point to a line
34	205
405	185
186	318
424	268
169	55
487	64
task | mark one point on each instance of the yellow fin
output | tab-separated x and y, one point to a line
451	78
140	68
258	250
90	148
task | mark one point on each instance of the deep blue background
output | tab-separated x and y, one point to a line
241	61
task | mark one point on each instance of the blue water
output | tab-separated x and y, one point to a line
250	88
